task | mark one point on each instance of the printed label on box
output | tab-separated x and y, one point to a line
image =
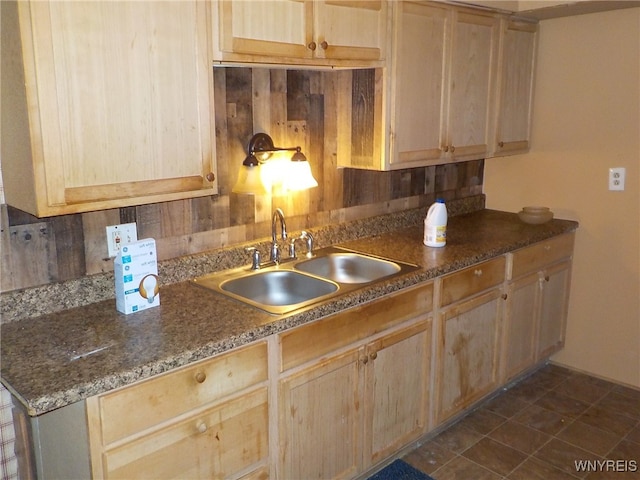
136	276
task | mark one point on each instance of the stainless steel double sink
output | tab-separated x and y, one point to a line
302	282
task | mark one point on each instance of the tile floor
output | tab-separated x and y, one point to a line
538	429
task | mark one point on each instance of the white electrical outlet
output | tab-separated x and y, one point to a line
118	235
616	178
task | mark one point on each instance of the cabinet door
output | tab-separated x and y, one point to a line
520	327
474	44
518	42
277	28
350	29
320	419
312	31
396	390
418	88
555	282
219	442
468	357
124	95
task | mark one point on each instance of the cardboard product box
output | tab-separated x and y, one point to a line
136	275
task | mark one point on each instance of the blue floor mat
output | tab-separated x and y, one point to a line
399	470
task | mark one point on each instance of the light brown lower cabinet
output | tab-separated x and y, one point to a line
468	326
356	404
334	397
537	303
207	420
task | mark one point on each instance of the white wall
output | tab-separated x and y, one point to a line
586	120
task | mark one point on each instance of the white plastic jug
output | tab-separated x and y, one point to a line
435	225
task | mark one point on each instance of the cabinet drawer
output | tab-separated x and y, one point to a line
140	406
472	280
533	258
205	445
336	331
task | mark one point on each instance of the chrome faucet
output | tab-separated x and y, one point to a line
308	238
275	248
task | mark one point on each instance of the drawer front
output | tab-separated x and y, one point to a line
472	280
215	443
319	338
535	257
140	406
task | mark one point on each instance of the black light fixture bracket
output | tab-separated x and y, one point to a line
261	148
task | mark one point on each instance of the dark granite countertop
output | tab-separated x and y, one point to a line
60	358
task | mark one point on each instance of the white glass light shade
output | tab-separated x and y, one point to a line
299	176
250	181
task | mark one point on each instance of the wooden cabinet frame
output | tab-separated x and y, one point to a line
341	33
113	102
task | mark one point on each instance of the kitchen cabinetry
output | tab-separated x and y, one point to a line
537	303
440	85
326	32
518	42
207	420
111	104
468	329
342	404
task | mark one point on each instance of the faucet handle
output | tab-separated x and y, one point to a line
255	257
309	240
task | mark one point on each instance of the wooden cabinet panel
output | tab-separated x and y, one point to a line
537	303
469	352
472	280
442	84
352	325
553	309
311	32
520	326
419	83
344	406
216	443
396	390
119	98
475	38
320	417
143	405
517	61
535	257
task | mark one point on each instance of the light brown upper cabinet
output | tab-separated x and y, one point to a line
349	33
518	42
458	86
109	104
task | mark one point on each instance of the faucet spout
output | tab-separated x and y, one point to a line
278	214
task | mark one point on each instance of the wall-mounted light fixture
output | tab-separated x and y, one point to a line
251	180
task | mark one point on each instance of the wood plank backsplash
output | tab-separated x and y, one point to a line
295	107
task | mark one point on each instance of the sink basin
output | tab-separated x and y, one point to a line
276	291
299	283
349	267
